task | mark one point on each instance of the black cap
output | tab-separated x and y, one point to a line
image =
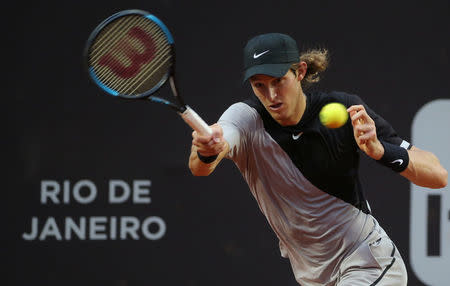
270	54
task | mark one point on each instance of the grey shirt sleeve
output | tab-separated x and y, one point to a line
238	123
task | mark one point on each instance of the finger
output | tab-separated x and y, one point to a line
355	108
196	143
210	146
358	113
205	150
200	138
363	128
204	139
217	133
201	141
356	121
362	116
211	150
366	117
352	113
216	137
367	136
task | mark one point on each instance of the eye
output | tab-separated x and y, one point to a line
258	84
277	81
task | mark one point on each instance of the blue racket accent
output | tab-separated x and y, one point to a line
159	100
162	26
100	84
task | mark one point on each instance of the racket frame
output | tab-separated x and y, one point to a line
148	94
187	113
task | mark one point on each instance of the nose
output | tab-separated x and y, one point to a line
272	94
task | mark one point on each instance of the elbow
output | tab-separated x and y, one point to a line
440	180
199	172
443	178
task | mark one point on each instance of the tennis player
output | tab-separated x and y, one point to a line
303	175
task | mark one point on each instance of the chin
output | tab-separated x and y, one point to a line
281	120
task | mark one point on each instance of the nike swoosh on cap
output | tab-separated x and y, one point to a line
255	56
400	161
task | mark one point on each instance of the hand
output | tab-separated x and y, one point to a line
365	132
209	145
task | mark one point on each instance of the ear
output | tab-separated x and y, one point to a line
302	70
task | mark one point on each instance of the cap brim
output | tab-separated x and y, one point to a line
275	70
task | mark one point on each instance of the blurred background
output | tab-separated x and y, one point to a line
125	210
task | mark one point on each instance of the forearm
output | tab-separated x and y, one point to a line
424	169
198	168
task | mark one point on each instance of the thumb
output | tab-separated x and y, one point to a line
216	134
217	137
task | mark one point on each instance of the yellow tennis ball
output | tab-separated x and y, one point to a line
333	115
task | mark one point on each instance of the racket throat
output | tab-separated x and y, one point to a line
173	86
195	121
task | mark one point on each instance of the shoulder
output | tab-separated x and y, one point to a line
320	99
240	111
317	99
343	97
241	116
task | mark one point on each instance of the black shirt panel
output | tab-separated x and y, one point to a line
385	131
328	158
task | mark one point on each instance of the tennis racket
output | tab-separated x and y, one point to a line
131	55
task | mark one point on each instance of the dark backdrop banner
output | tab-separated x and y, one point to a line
98	190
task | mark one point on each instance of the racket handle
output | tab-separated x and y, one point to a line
195	121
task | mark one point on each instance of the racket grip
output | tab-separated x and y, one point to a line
195	121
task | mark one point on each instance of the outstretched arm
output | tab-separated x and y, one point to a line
211	149
423	169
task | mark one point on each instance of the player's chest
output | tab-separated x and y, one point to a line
315	149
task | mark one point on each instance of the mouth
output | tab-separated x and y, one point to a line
276	106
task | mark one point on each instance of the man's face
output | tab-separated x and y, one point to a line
282	97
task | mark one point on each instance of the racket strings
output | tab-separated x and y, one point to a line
110	36
121	83
108	42
111	79
132	85
161	61
115	33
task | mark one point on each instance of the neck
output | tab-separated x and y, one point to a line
303	106
300	109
